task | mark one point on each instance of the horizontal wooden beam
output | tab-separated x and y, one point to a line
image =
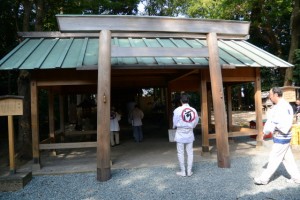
73	145
57	34
184	75
89	132
96	23
236	134
158	52
61	83
48	140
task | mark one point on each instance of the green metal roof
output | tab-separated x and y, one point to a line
50	53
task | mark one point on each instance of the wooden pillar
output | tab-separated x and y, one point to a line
35	125
229	108
166	95
51	115
169	106
218	102
204	115
103	107
51	119
11	141
61	113
209	107
258	108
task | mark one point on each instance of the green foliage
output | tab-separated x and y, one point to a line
172	8
8	30
118	7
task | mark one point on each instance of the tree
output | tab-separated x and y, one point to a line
172	8
295	34
269	27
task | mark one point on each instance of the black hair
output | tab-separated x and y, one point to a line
184	98
277	90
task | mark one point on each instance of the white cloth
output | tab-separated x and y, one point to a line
190	156
185	118
280	153
280	117
114	122
114	138
136	116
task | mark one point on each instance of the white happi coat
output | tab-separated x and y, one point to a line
114	122
185	119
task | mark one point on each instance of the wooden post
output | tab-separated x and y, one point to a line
61	113
229	107
209	107
218	102
169	107
258	108
12	164
51	118
204	114
103	107
10	106
35	125
61	117
166	104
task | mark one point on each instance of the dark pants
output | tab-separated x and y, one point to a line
138	133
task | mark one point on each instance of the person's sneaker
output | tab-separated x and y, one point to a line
292	180
180	174
257	181
190	173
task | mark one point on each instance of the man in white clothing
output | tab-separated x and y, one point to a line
185	119
279	122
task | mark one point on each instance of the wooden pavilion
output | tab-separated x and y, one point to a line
102	53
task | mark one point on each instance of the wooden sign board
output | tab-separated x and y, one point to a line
11	105
289	94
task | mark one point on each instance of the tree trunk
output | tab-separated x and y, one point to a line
295	34
39	15
24	133
27	8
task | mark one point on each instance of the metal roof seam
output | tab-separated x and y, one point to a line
28	53
258	55
192	59
82	53
43	58
222	41
5	58
148	44
202	46
175	59
271	55
116	41
132	44
159	60
248	55
64	54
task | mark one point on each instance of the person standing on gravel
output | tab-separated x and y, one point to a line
136	117
115	117
185	119
279	123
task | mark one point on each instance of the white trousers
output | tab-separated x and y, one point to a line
281	153
190	155
114	138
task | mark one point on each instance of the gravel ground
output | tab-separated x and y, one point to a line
208	182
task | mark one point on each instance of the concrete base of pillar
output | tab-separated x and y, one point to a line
15	181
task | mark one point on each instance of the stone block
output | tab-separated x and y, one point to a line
15	181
